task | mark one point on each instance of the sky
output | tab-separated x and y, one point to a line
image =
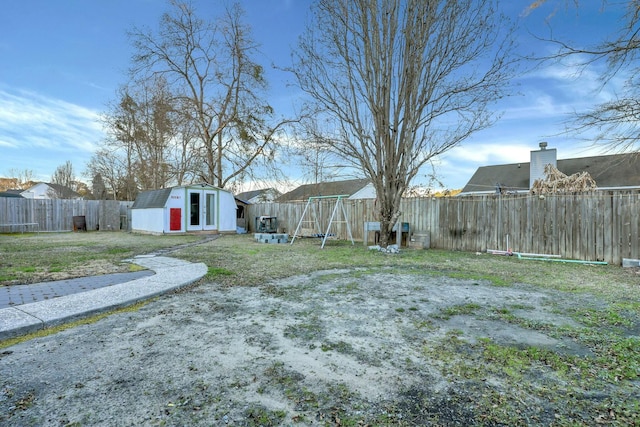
61	63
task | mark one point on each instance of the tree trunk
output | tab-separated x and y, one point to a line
388	212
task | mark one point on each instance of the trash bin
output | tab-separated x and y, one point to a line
79	223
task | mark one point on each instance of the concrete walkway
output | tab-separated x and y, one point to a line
14	295
89	299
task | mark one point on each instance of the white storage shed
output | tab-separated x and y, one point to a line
192	208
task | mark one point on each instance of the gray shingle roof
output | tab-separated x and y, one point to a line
609	171
248	195
63	192
152	199
332	188
11	193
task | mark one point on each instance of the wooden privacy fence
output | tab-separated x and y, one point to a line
57	214
599	226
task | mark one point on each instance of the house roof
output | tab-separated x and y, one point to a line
64	192
61	191
11	193
248	195
608	171
332	188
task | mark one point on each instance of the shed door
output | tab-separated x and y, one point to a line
202	210
175	219
195	211
210	210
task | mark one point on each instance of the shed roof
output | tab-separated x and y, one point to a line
152	199
609	171
158	198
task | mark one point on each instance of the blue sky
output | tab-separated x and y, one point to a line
62	61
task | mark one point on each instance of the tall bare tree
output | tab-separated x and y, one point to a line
114	174
115	162
615	122
144	128
64	175
210	66
156	130
312	152
403	81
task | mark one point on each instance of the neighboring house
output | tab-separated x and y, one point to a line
49	190
354	188
191	208
610	172
259	196
11	193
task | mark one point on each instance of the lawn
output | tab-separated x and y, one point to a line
313	335
34	257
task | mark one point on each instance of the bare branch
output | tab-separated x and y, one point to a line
403	81
615	122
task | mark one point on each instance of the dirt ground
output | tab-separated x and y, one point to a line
346	347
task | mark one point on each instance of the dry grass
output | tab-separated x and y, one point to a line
238	260
29	258
244	262
232	351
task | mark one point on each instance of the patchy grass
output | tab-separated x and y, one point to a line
488	381
214	272
84	321
257	263
31	258
457	310
237	260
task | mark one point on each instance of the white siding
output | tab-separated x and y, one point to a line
158	220
366	192
227	212
148	220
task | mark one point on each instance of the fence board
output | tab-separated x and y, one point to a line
599	226
57	214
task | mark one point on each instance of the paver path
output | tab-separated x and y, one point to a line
13	295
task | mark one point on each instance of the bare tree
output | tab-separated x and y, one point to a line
403	81
141	128
98	189
24	178
115	162
210	66
64	175
313	153
144	130
113	169
615	122
155	134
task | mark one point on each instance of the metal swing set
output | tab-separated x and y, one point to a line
311	208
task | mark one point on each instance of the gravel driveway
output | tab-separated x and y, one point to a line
348	347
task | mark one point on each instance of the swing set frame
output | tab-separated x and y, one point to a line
311	207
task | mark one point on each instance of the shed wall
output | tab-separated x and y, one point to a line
148	220
226	212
